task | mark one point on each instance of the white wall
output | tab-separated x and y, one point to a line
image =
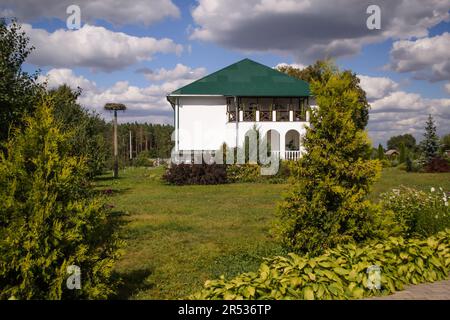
203	125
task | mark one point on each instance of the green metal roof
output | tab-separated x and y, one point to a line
247	78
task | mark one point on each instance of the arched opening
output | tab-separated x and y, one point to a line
292	145
292	140
273	143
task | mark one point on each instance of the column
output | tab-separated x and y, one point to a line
282	145
176	125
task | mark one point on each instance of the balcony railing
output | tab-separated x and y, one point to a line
299	115
249	116
265	115
282	115
231	116
288	155
292	155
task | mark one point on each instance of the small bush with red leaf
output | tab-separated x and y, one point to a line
438	164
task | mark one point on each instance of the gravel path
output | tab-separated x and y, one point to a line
439	290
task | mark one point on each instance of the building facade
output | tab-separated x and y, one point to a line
224	106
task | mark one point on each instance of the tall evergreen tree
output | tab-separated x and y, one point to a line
319	72
327	202
51	218
380	152
402	157
430	144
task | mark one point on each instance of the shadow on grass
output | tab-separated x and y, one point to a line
131	283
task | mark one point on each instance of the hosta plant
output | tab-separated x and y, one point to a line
340	273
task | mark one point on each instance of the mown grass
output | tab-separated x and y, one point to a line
177	237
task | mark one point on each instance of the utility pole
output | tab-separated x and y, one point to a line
131	148
115	107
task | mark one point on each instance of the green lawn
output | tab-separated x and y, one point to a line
177	237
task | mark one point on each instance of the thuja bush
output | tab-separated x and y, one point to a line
203	174
50	217
327	203
243	173
418	213
341	273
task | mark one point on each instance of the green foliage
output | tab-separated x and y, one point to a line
51	218
409	164
403	153
319	72
380	152
418	213
340	273
89	130
327	203
143	160
407	140
18	90
243	173
430	144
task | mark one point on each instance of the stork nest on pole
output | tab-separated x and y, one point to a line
115	106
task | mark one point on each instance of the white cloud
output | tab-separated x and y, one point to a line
447	87
292	65
179	72
94	47
377	87
400	112
426	58
58	77
125	12
144	104
311	29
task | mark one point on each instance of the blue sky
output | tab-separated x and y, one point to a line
137	52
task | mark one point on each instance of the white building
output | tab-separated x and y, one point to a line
223	106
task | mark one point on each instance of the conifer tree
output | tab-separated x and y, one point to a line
402	157
430	145
380	152
51	218
327	203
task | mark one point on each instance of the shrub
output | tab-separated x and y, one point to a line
409	164
51	218
327	202
394	163
340	273
418	213
243	173
385	163
143	160
437	164
186	174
